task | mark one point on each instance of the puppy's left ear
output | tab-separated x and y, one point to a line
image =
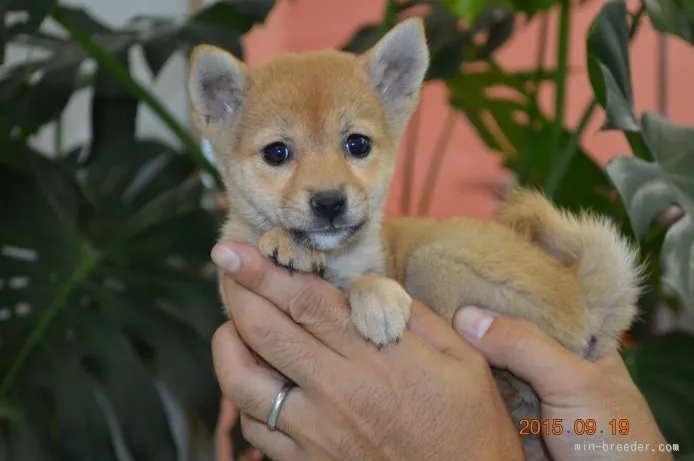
396	67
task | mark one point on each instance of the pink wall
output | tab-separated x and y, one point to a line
469	168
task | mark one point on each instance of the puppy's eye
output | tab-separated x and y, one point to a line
358	145
276	153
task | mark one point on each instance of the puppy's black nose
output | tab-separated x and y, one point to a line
329	204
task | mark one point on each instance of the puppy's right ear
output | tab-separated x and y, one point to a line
216	84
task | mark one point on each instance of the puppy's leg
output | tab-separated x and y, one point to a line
279	246
380	308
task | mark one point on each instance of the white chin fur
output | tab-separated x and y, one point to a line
328	240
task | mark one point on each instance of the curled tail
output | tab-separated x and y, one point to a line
605	262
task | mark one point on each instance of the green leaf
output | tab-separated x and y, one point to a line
10	413
113	116
161	45
221	24
468	10
33	106
108	356
675	17
85	21
450	43
3	33
502	122
531	6
36	11
663	370
499	26
107	313
363	39
82	424
60	190
609	67
198	32
22	441
649	189
237	15
447	39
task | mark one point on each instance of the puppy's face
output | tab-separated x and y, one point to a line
307	142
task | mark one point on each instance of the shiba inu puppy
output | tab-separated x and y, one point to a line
306	145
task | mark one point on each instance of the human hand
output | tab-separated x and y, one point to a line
224	448
576	394
409	401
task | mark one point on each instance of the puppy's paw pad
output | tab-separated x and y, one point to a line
380	310
279	247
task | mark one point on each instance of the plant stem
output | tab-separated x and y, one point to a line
534	112
408	162
87	260
561	165
58	137
391	9
109	62
435	165
564	159
540	62
562	70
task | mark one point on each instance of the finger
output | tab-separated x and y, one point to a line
274	444
432	330
253	388
612	362
521	348
228	414
252	454
279	341
225	423
316	305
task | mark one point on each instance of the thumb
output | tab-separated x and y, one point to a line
521	348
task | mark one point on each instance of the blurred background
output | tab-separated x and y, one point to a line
110	204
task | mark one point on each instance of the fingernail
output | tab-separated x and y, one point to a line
472	321
225	258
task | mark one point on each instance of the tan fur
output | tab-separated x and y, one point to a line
574	277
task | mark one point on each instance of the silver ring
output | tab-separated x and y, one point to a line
277	405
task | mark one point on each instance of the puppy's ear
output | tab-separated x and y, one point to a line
216	84
396	66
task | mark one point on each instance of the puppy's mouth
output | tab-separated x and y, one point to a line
326	238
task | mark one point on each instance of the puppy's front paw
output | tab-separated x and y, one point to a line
380	308
279	246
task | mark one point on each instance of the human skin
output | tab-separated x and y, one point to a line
431	396
570	388
353	401
224	448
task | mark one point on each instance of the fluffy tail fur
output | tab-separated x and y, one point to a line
604	260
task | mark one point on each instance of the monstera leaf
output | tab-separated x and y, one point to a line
528	152
35	11
450	43
650	188
107	305
609	68
663	370
674	17
40	101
